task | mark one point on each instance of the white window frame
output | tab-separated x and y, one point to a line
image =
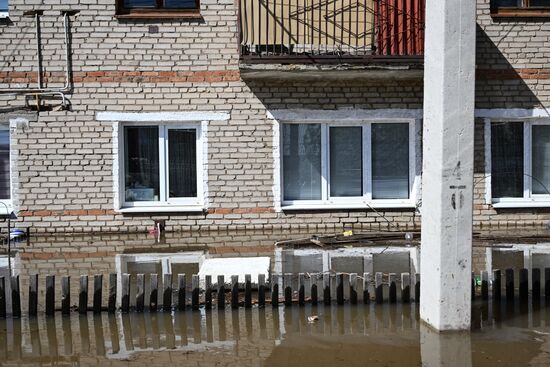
174	204
361	202
528	200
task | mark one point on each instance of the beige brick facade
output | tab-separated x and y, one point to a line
63	171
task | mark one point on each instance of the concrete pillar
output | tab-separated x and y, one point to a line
449	76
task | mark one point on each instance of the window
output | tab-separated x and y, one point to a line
157	8
329	164
161	165
4	9
520	162
511	8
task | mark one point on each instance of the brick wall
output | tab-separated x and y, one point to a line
65	158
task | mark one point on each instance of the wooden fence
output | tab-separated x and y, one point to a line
383	288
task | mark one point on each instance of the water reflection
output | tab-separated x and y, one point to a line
342	336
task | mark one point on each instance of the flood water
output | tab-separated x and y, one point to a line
372	335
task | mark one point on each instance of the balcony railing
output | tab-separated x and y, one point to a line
333	31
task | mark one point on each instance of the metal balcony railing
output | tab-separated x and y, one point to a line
333	31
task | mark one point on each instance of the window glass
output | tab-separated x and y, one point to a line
507	3
346	161
3	5
154	4
539	3
541	159
302	161
390	161
5	165
507	159
182	163
141	157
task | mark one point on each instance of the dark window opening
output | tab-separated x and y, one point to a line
511	8
157	8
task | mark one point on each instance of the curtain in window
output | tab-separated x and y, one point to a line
390	161
541	160
182	163
141	155
302	161
5	165
346	161
507	159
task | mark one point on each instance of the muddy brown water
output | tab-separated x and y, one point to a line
372	335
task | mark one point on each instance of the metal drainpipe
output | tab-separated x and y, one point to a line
40	89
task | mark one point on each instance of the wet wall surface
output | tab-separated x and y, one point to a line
370	335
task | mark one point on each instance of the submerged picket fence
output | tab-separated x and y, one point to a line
383	288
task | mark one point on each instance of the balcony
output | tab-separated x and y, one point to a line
331	32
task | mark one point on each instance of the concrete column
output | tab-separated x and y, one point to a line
447	181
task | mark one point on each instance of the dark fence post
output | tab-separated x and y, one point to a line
274	290
66	295
15	297
392	280
247	291
484	285
261	290
379	290
497	285
535	281
221	292
340	288
125	293
208	292
83	295
154	295
33	295
140	294
50	295
301	289
234	291
98	293
405	287
313	289
287	280
326	289
509	285
195	291
473	282
111	303
2	297
353	288
167	293
366	286
417	288
523	284
547	283
181	292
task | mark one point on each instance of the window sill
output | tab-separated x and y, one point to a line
4	15
521	204
162	209
521	13
343	206
161	15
